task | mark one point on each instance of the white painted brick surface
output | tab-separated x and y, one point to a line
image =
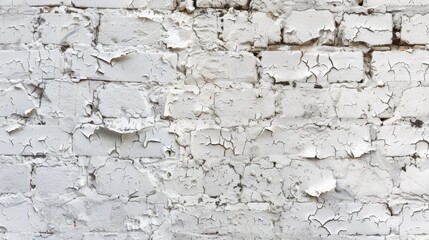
67	29
370	29
123	66
129	30
122	178
304	26
43	2
32	64
207	28
152	4
416	3
400	66
242	31
155	143
221	3
221	119
317	67
118	101
263	142
222	66
15	100
56	180
33	140
67	99
367	103
15	178
414	29
16	25
230	107
414	103
308	103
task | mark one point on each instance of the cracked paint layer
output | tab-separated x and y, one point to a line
301	27
214	119
130	66
242	31
317	67
371	29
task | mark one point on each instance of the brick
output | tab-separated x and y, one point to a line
217	142
56	179
179	33
16	25
67	99
32	64
151	4
14	178
222	66
66	29
207	28
118	101
189	182
400	66
367	103
272	179
46	2
305	219
242	31
276	140
414	29
222	181
187	104
130	236
60	213
306	104
126	215
10	2
33	140
373	30
132	66
15	100
285	6
18	215
414	181
414	103
415	220
156	143
34	2
374	3
302	27
318	67
401	140
332	103
243	223
122	178
222	119
129	30
236	106
221	3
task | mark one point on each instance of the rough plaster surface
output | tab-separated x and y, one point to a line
214	119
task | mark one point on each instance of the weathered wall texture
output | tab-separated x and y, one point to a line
214	119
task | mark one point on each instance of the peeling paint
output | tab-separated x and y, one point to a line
214	119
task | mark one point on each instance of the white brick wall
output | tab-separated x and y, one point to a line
67	29
130	29
316	67
214	119
304	26
242	31
370	29
16	25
